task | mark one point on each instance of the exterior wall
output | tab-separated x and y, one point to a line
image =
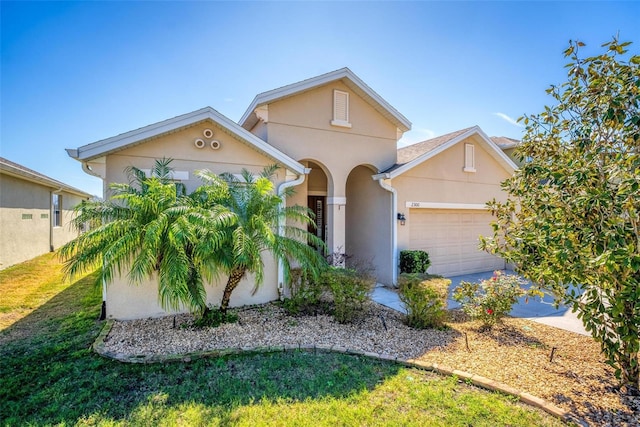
510	152
368	223
442	180
127	301
301	127
232	156
65	233
24	239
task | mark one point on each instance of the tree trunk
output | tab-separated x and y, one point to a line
629	363
234	278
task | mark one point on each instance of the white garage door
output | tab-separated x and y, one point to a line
451	239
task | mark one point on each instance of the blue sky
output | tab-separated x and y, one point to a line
75	73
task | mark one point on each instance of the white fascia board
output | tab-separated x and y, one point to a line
283	92
424	157
437	205
41	180
100	148
494	150
497	152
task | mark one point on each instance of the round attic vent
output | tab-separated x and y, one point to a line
208	133
215	144
199	143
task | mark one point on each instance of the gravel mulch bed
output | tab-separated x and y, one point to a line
516	352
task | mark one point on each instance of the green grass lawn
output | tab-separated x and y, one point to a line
49	376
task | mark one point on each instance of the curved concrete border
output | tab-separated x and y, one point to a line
477	380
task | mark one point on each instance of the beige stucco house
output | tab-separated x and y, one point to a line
336	142
35	212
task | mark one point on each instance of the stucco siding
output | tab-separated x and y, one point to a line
301	127
441	179
25	220
126	300
368	224
232	156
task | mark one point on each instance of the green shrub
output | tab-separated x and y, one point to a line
349	288
425	298
490	300
214	318
414	261
305	293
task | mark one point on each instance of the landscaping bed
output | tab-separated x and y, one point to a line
516	352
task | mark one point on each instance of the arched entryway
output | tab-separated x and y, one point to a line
368	233
317	191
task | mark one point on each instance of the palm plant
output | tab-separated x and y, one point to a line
249	219
150	226
145	230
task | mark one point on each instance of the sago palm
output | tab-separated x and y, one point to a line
249	220
145	229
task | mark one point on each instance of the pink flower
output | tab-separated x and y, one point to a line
489	311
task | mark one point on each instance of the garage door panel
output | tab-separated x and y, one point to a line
451	239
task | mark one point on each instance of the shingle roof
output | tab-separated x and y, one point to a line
505	142
16	169
406	154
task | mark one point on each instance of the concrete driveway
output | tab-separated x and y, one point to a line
541	311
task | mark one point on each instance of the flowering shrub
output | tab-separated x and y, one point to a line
492	299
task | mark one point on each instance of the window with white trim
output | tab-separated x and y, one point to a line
56	208
469	158
340	109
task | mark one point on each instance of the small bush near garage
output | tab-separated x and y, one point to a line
349	288
414	262
425	298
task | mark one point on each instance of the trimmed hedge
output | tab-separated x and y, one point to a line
414	261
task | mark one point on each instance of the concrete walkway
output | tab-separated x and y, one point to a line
541	311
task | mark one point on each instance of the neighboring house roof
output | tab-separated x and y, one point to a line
14	169
416	154
147	133
249	119
505	142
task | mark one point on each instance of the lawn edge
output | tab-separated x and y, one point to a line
477	380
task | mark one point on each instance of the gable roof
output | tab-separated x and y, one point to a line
147	133
416	154
14	169
505	142
249	118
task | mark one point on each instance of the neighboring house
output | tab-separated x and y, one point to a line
336	140
508	145
35	212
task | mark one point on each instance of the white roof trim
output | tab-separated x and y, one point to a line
19	171
495	152
249	120
115	143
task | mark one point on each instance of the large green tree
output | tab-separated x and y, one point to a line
571	222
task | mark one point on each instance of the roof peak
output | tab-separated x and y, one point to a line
249	118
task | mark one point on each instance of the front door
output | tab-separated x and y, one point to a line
317	206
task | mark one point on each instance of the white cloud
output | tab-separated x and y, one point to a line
506	118
415	135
